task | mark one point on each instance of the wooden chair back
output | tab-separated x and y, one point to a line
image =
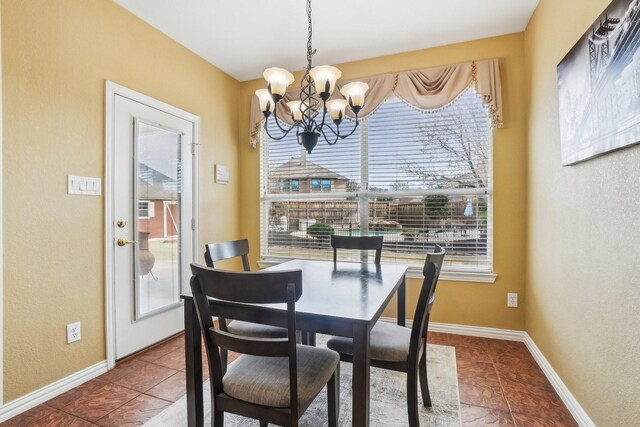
431	271
227	250
357	242
263	287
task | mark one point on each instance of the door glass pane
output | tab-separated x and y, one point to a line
157	211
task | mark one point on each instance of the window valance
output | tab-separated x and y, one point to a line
427	89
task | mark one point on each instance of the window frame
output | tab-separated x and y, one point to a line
150	209
364	196
321	185
288	187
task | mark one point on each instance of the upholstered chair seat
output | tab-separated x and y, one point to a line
265	380
389	342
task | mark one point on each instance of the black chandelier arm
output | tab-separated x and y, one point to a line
275	117
325	136
306	123
324	116
337	131
285	132
328	126
298	136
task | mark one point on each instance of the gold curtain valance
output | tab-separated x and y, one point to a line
426	89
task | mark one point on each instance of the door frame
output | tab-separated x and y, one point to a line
1	238
111	91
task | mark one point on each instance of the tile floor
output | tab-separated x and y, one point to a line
500	385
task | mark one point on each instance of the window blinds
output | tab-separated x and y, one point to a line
418	178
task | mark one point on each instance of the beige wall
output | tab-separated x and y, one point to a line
583	237
56	58
462	303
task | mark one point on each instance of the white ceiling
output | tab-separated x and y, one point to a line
243	37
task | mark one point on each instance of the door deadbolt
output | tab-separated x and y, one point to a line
121	223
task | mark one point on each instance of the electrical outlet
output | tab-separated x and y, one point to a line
512	300
73	332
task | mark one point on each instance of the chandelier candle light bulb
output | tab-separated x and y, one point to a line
354	92
337	108
310	112
325	77
278	79
266	102
296	110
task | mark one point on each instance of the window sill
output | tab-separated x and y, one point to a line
456	276
415	272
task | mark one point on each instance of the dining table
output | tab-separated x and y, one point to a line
338	298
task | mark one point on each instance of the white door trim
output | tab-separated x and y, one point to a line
1	241
111	90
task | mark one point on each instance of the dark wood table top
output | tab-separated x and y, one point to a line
345	290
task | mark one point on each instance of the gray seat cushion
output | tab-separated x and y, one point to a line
389	342
265	380
255	330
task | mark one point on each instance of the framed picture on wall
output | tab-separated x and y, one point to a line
599	86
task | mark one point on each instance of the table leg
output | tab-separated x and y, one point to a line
402	311
193	357
360	386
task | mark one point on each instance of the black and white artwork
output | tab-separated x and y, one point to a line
599	86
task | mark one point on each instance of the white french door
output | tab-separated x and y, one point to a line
152	168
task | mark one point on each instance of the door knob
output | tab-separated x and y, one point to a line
122	241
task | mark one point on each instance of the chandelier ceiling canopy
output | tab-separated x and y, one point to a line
310	112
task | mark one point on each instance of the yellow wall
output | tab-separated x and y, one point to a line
461	303
583	238
56	58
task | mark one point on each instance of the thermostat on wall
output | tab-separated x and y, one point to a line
222	174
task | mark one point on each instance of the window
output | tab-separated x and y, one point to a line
291	185
320	184
145	209
418	178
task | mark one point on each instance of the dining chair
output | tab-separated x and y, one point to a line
215	252
274	380
226	250
402	349
357	242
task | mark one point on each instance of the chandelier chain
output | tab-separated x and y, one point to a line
307	93
310	51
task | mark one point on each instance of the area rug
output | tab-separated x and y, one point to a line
388	404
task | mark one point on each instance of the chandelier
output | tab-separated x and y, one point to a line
317	86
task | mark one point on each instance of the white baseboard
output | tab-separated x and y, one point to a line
50	391
477	331
577	411
472	331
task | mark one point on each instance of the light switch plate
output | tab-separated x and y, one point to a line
222	174
84	185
